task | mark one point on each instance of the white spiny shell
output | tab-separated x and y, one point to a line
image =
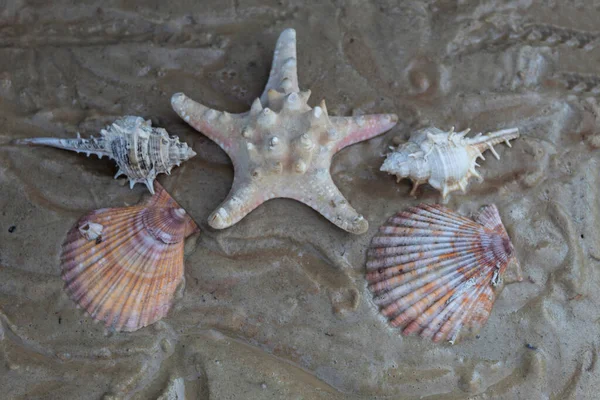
445	160
140	151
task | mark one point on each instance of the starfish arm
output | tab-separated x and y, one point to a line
242	199
284	74
220	127
325	198
356	129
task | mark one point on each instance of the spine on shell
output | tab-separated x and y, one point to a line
88	146
485	142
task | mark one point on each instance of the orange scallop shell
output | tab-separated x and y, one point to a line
437	273
123	265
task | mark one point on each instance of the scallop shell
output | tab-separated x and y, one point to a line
445	160
141	151
437	273
122	265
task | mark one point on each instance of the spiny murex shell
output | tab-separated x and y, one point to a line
140	151
445	160
123	265
437	273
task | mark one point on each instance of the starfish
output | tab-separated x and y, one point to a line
282	148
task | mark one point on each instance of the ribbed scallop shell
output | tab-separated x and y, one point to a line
127	274
437	273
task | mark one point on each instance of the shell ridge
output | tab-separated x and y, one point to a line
78	291
482	309
394	241
133	319
131	303
390	262
95	291
439	319
107	284
122	313
429	297
170	274
149	269
450	318
109	246
434	316
112	216
409	268
424	220
433	220
160	292
490	218
453	319
174	275
406	219
81	245
451	328
435	264
160	224
423	321
89	268
465	317
448	282
128	312
148	292
430	255
427	211
109	289
416	279
445	214
409	230
126	287
384	252
122	231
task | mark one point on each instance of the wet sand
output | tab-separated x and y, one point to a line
277	306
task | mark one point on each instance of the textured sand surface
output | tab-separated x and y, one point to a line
276	307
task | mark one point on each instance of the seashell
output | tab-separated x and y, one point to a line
437	273
140	151
445	160
122	265
282	147
91	230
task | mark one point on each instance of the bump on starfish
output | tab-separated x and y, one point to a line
282	148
